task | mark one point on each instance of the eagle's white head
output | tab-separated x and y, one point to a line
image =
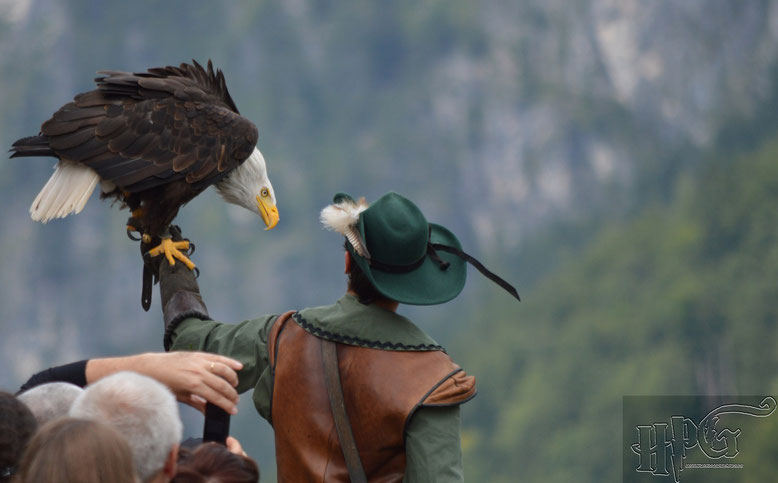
248	186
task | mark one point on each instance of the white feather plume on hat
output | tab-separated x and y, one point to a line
343	217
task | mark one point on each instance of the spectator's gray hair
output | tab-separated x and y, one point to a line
143	411
50	401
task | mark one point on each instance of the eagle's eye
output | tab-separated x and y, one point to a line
264	192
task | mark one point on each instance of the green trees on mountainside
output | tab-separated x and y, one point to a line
680	300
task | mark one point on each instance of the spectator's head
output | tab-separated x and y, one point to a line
70	450
50	401
144	412
214	463
17	425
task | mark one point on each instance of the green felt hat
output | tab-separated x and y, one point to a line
391	246
406	258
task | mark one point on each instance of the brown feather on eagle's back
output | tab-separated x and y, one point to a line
188	81
142	130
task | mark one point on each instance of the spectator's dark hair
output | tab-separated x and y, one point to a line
70	450
360	284
213	462
17	425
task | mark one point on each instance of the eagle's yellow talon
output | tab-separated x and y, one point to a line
172	250
184	259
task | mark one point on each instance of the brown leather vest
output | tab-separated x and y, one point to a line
382	389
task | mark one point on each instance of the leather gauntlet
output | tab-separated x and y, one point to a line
179	293
180	298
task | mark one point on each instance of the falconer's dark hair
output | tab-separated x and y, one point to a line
360	284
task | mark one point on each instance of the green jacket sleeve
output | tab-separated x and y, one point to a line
245	342
432	446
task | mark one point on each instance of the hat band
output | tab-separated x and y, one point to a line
385	267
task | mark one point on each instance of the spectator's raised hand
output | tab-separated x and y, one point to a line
194	377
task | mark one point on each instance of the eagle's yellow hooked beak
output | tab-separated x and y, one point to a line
268	211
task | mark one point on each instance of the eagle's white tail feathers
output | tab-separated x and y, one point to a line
66	192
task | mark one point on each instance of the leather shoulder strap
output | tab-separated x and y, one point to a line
329	354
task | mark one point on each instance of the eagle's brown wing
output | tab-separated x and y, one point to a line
146	129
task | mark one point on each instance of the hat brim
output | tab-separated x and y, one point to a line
427	284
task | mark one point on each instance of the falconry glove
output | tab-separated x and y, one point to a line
151	263
179	293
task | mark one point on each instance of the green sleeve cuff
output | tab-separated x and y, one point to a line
191	334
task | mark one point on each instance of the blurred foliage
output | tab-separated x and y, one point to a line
679	300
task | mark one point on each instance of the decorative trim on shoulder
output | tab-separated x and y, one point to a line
456	389
450	400
372	344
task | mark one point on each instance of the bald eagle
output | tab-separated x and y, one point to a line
153	140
